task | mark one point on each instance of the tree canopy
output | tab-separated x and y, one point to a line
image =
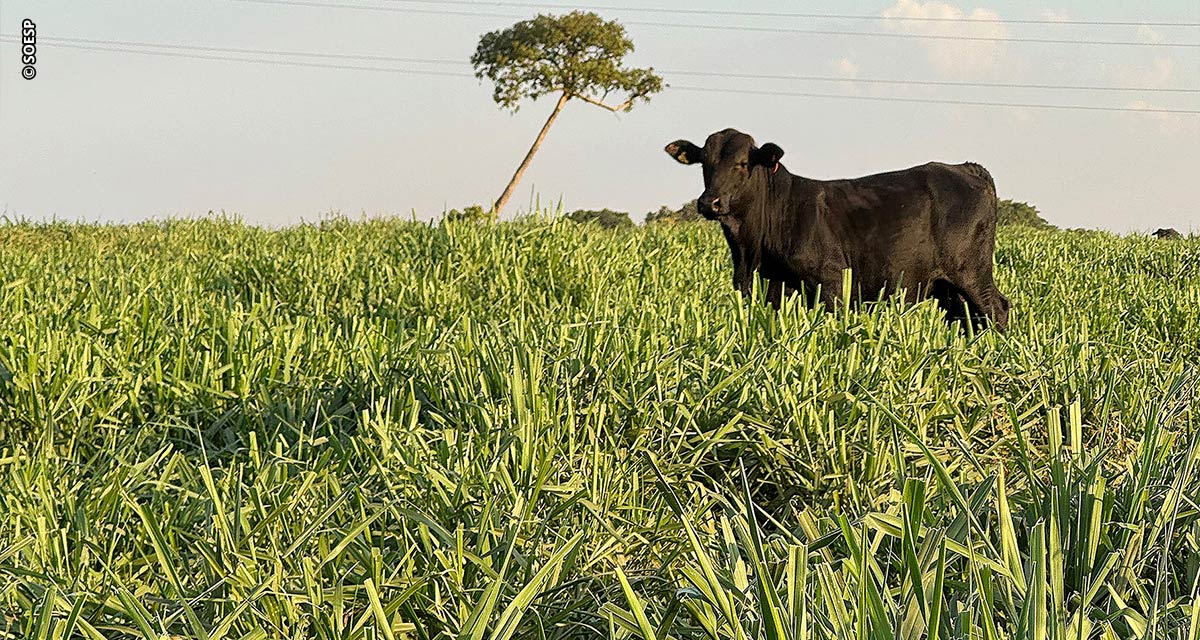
606	218
1010	212
473	213
578	54
687	212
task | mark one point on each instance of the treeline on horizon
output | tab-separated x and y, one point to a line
1010	213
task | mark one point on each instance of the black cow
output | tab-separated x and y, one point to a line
1167	234
930	229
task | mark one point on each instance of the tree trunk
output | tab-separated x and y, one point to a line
512	184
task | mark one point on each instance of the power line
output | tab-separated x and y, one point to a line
679	72
928	83
790	14
173	54
272	52
749	28
367	7
909	36
283	63
971	103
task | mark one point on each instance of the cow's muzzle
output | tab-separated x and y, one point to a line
709	207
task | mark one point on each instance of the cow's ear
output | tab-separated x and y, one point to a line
768	155
684	152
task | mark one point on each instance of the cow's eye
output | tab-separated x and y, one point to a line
743	164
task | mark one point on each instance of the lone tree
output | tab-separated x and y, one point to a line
577	55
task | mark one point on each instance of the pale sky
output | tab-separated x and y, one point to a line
109	136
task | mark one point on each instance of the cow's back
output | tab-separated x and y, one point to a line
924	222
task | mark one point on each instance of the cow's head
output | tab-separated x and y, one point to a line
729	159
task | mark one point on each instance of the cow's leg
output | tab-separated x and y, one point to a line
979	303
977	307
743	279
951	299
832	278
990	307
743	275
830	291
1000	307
775	293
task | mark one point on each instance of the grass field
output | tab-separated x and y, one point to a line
544	430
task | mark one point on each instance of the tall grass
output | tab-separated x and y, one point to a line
542	430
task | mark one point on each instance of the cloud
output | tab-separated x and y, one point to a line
1021	115
1149	35
1160	72
952	57
1055	15
1168	123
846	68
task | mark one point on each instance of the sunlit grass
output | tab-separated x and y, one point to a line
537	429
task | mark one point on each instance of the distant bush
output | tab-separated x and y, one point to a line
473	213
606	218
685	213
1010	212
